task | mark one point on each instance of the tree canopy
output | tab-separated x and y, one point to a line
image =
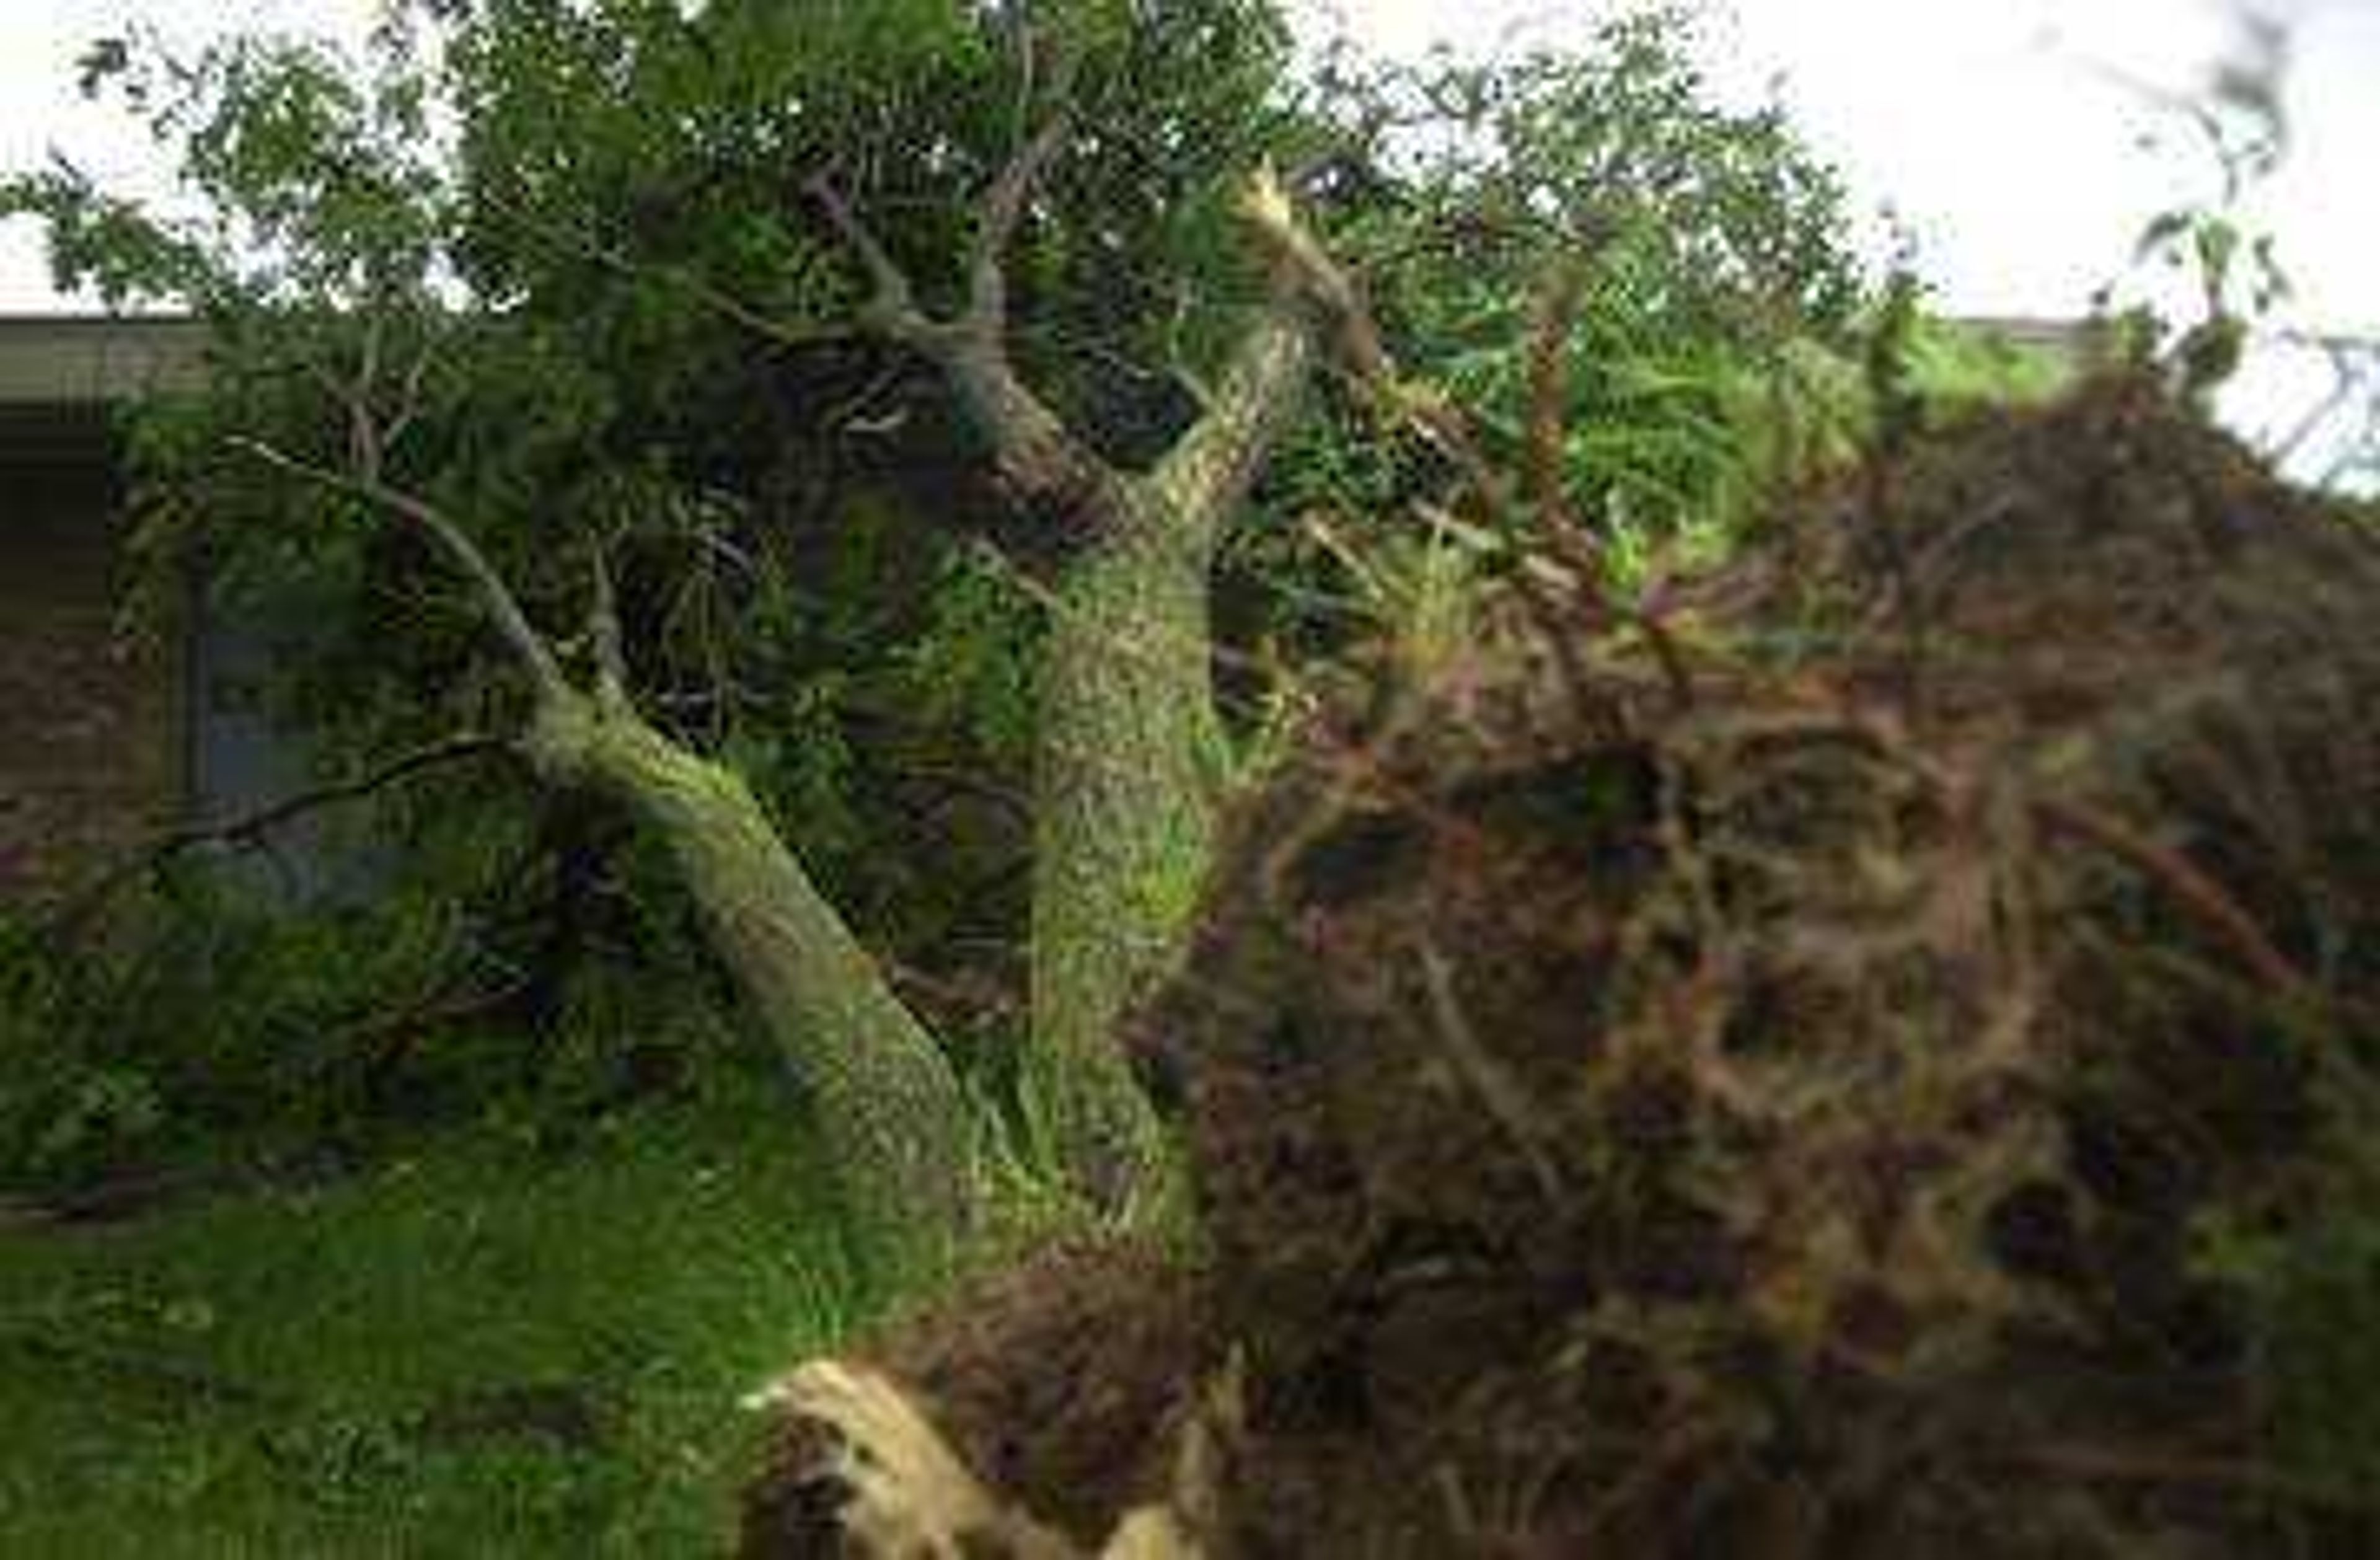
691	303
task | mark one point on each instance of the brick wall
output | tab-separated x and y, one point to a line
90	759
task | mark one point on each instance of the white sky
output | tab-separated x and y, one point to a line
1997	130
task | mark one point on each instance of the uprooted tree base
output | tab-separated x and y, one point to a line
1758	1095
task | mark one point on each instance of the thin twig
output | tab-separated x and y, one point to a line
2116	1464
151	1370
388	1039
1555	315
1496	1087
409	397
1677	672
250	829
687	281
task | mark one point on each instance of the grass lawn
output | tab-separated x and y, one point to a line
484	1350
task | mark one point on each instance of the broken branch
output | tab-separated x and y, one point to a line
1355	337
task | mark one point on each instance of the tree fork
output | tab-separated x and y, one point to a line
1130	743
1131	756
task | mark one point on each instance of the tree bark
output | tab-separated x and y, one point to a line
1129	754
1130	743
1130	761
889	1110
887	1106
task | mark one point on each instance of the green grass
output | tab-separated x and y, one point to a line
485	1350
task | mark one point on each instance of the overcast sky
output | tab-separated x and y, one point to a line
2001	132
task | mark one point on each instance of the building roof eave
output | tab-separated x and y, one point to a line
95	361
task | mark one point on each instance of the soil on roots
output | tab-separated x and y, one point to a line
1752	1083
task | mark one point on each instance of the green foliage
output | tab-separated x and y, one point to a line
973	670
2307	1280
2233	277
626	166
1822	409
1711	256
518	966
312	180
533	255
2314	1300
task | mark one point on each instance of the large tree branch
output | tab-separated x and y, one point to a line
891	309
1038	458
1209	470
496	598
684	278
1354	336
1004	207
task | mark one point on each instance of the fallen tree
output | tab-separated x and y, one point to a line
1751	1082
676	307
408	386
1126	781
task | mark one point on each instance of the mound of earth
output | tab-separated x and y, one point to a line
1751	1082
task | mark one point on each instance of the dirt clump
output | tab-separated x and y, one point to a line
1752	1083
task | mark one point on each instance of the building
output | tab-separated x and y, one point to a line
95	738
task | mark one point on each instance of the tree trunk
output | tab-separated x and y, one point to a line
886	1103
1129	754
1130	740
1129	762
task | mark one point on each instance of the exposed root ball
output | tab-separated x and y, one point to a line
1758	1095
